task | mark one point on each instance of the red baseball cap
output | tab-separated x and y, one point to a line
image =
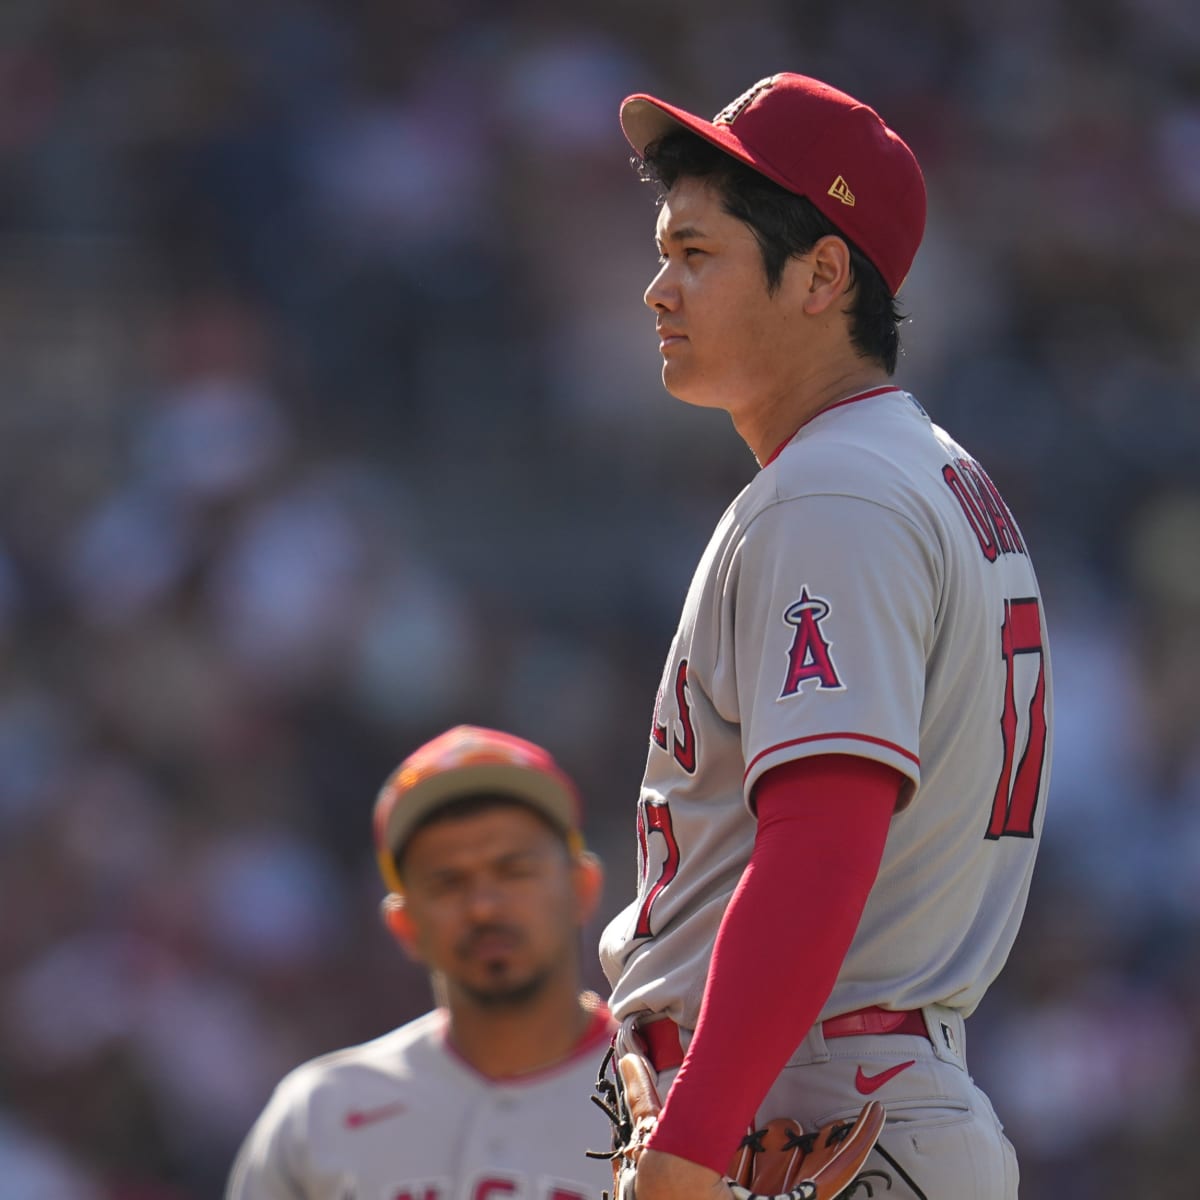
820	143
464	761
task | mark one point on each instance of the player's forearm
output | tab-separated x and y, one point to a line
827	818
662	1176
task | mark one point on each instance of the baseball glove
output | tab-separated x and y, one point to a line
779	1161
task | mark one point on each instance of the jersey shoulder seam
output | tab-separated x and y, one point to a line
824	493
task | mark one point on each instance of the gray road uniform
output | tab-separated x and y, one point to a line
868	593
403	1117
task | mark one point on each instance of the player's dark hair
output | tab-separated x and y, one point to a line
468	805
784	225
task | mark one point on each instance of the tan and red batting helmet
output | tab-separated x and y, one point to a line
466	761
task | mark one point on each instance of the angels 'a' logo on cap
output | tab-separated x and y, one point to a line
731	112
839	189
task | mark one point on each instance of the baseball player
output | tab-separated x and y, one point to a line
850	750
486	1097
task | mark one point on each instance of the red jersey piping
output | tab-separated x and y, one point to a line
824	737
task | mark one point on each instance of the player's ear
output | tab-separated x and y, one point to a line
588	881
829	277
399	923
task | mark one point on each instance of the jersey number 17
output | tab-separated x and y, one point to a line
1015	801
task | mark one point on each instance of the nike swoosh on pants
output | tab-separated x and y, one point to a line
866	1084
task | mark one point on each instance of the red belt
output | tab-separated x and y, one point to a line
661	1036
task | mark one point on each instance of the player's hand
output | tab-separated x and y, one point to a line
663	1176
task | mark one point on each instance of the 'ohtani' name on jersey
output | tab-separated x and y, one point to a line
984	507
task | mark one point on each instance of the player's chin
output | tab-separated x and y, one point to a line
687	389
680	381
507	990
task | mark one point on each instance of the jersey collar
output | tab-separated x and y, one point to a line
879	391
598	1032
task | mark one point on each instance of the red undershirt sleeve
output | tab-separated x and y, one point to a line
822	824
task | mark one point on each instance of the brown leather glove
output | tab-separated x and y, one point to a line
779	1160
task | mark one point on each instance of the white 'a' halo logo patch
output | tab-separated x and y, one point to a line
810	656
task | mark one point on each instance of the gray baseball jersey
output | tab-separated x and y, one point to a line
403	1117
867	593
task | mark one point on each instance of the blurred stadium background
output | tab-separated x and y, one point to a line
330	417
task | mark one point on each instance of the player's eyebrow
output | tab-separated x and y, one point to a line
682	234
505	858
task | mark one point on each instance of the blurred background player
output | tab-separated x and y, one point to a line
850	752
477	835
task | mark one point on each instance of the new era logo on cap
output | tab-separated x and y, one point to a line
839	189
803	134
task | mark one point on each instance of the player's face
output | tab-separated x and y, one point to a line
725	341
493	903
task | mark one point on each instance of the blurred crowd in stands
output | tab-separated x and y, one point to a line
330	417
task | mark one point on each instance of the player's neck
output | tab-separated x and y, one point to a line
501	1042
766	426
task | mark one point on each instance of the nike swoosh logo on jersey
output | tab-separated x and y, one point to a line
358	1117
867	1084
